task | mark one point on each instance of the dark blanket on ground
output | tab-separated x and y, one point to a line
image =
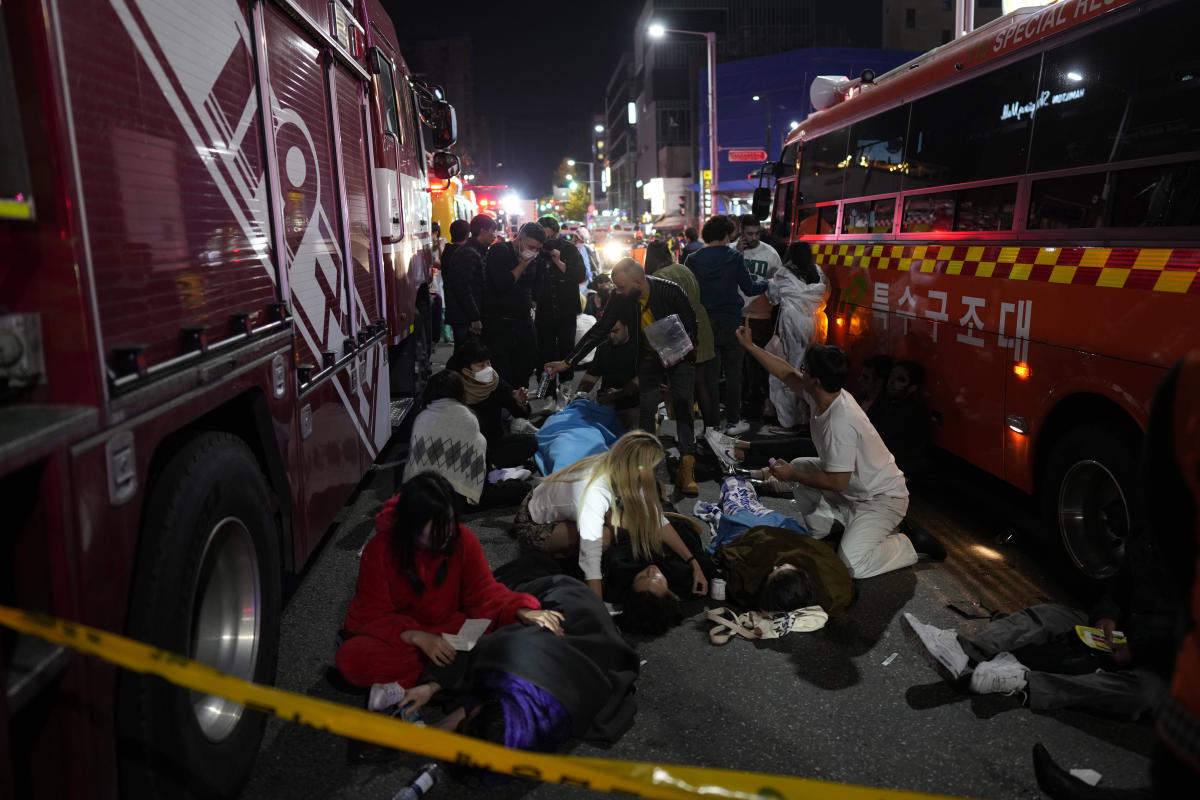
590	669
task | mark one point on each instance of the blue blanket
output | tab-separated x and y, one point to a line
581	429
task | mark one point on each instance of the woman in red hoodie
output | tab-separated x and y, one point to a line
422	575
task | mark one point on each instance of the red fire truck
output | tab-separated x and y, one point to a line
214	226
1017	212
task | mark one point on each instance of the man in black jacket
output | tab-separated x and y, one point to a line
560	272
508	320
463	279
649	299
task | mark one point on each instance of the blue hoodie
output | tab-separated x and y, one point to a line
721	271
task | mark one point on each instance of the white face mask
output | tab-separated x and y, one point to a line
485	375
528	255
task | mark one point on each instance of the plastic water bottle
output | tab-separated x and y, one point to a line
421	784
544	386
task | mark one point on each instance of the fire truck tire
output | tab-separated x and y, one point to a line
1088	498
209	553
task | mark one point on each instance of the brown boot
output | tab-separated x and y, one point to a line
685	479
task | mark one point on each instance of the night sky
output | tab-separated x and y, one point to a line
544	65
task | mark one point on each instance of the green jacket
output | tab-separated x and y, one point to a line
749	559
683	277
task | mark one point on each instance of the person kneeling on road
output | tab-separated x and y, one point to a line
423	574
854	479
648	299
587	505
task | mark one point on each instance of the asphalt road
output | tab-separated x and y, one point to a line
822	705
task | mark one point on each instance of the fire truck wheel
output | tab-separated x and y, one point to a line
207	586
1087	498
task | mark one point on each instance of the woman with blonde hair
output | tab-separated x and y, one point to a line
589	504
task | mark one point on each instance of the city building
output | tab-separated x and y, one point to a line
925	24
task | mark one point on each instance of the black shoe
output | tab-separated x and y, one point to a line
927	547
1059	784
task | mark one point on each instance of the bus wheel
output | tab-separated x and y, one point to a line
1088	500
207	586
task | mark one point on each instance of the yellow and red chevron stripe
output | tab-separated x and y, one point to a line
1175	270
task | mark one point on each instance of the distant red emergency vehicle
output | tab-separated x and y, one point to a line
215	227
1018	212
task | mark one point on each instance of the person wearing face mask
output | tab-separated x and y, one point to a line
648	299
560	273
489	395
508	324
423	574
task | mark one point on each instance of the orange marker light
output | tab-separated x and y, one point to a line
1022	370
841	321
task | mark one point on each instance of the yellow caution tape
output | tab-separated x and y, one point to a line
636	779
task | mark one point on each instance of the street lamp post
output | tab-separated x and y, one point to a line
767	97
658	31
591	165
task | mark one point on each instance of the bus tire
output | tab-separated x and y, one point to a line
209	550
1088	498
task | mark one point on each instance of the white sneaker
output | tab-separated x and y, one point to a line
942	645
738	429
384	696
722	447
1002	675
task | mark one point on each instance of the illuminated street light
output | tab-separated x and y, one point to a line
572	186
570	162
658	30
755	98
599	129
794	125
570	177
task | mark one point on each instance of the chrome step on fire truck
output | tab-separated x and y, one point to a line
215	232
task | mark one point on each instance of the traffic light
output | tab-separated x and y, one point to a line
683	205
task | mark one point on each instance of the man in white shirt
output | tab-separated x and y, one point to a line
853	480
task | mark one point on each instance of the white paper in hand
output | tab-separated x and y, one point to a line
468	634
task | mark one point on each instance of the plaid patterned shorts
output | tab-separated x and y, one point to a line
532	534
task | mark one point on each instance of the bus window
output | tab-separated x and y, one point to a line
876	152
1071	202
975	130
872	216
781	209
1165	116
1166	195
986	208
1086	86
817	221
822	164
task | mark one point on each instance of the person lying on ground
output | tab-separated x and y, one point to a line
489	395
583	507
423	574
527	689
647	300
615	367
775	569
853	480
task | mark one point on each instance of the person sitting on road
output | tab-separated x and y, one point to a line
872	380
489	395
587	505
853	480
615	367
423	574
529	690
775	569
446	439
902	419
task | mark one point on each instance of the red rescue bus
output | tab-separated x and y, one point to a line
1019	212
214	228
